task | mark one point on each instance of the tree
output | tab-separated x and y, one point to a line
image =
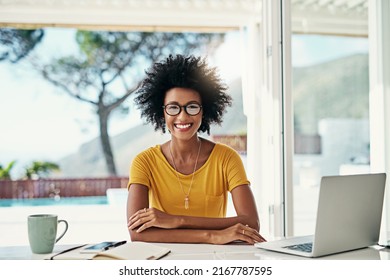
5	173
39	169
15	44
109	68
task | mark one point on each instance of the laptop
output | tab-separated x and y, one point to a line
348	217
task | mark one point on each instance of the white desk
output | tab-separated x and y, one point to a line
211	252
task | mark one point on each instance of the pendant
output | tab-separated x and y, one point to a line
186	202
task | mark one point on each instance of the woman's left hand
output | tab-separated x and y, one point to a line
238	232
151	217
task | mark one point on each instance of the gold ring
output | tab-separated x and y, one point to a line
243	231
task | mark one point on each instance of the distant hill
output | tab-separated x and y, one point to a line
338	88
333	89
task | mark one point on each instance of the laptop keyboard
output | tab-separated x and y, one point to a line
305	247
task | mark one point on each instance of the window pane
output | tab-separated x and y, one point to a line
330	98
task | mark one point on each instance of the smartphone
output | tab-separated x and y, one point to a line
95	248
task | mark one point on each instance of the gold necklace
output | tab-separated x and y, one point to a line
186	195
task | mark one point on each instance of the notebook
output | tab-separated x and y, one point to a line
348	217
128	251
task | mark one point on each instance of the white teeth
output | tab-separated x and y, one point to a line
182	126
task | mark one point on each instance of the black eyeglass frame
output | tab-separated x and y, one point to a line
184	107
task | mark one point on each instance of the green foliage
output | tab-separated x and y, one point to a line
39	169
110	65
5	173
15	44
36	170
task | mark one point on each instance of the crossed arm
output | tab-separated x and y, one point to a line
153	225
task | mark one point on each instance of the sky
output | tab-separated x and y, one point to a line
39	122
308	50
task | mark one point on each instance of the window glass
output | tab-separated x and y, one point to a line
330	88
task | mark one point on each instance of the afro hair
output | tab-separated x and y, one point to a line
185	72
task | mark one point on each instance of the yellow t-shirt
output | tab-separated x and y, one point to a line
222	172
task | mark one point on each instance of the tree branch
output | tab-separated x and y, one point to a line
120	100
67	90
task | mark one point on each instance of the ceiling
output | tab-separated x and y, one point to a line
340	17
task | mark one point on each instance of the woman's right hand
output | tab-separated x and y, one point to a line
238	232
151	217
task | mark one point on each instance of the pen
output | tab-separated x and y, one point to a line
114	245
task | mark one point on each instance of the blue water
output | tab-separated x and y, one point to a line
84	200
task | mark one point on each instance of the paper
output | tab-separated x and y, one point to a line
128	251
134	251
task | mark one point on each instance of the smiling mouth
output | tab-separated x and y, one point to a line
183	126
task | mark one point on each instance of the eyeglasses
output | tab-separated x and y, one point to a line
191	109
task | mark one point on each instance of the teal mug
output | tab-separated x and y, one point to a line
42	232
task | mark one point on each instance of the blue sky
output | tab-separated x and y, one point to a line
313	49
41	123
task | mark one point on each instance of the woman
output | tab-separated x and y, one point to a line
178	190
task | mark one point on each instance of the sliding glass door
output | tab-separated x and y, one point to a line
330	98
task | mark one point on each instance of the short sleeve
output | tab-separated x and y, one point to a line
140	171
235	170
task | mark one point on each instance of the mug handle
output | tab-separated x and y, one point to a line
66	229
